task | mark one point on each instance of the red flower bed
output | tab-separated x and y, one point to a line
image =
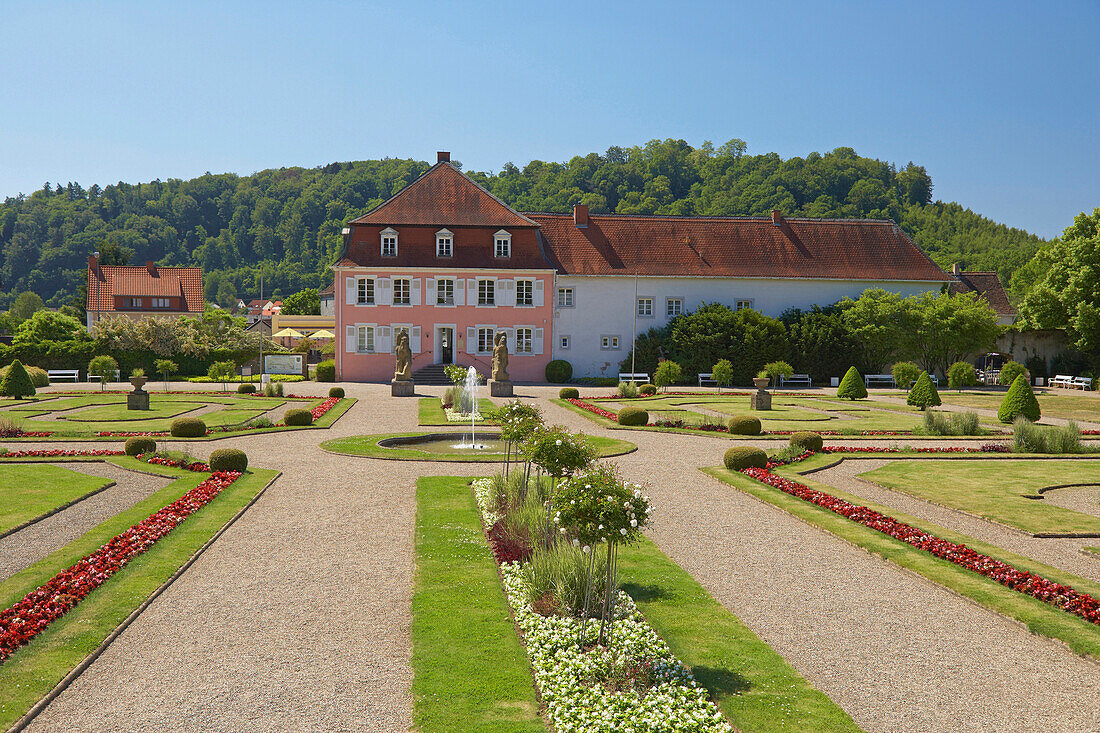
39	608
317	412
121	434
1061	596
197	466
593	409
58	453
505	548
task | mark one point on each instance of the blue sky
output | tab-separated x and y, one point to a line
1000	101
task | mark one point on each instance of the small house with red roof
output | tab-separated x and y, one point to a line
988	285
142	291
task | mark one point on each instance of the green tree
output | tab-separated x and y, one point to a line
945	328
1019	401
746	338
905	373
26	305
822	344
303	303
852	386
17	383
46	326
166	367
777	369
924	393
1009	371
961	374
222	371
878	321
104	367
668	373
722	373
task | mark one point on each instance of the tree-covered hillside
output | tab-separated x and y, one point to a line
290	219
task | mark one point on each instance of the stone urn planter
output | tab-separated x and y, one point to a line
761	382
139	398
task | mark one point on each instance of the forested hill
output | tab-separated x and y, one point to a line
290	219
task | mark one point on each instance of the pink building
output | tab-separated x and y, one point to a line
451	265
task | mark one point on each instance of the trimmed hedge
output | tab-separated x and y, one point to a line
633	416
139	445
852	385
924	393
246	388
744	425
569	393
188	427
336	392
326	371
1019	402
298	417
16	382
39	378
807	440
228	459
559	370
742	456
647	389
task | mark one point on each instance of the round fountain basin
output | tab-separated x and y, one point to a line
486	444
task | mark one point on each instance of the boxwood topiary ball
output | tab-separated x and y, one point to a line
633	416
741	456
569	393
228	459
137	446
298	416
807	441
336	392
647	390
744	425
188	427
558	370
246	388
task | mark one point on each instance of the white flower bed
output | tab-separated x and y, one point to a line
456	416
483	488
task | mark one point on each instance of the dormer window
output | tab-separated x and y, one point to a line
389	242
502	244
444	243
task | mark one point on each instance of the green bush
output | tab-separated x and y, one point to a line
668	373
961	374
103	367
246	388
740	457
647	389
807	441
852	386
336	392
17	383
1027	437
924	393
140	445
188	427
298	416
1010	371
743	425
776	369
228	459
569	393
326	371
905	373
628	390
558	371
39	378
1019	402
633	416
956	423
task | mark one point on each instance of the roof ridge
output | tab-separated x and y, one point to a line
732	217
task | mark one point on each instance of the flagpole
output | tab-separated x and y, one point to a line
634	335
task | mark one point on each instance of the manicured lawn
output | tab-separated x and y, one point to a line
367	446
470	672
158	409
32	671
1039	617
753	686
1068	406
996	489
431	412
31	490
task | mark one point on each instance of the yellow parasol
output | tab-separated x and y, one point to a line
287	333
322	334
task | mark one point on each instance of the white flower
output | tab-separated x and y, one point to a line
586	549
557	442
576	543
633	522
623	531
562	530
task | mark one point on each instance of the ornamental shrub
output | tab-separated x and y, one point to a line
1010	371
668	372
140	445
569	393
104	367
39	378
187	427
741	456
558	371
722	373
246	388
956	423
647	389
326	371
628	390
633	416
852	386
228	459
905	373
298	416
336	392
17	383
743	425
924	393
807	441
961	374
1019	402
776	369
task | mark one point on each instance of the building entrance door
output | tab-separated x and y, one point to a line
446	346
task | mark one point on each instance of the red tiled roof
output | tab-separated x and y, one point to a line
330	290
990	287
444	196
136	280
734	247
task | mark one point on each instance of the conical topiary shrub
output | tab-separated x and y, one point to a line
924	393
1019	402
852	385
17	383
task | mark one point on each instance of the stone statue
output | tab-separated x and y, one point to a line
500	357
403	372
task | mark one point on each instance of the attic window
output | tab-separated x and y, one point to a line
389	242
444	243
502	244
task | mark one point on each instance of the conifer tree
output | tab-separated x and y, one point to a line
852	385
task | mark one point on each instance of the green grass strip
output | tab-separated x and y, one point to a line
367	446
34	489
1039	617
430	412
32	671
753	686
470	672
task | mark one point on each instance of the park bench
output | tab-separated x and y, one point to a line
879	379
633	377
94	378
1082	383
706	377
56	375
802	379
1061	380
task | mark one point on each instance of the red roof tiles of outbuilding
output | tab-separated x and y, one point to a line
988	284
107	281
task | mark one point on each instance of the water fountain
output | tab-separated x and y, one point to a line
470	401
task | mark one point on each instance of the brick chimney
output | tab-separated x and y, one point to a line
580	216
93	264
442	157
151	268
777	217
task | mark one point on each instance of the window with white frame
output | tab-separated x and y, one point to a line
134	302
525	292
645	307
402	291
389	243
525	339
485	340
563	342
502	244
674	307
444	243
160	303
365	342
486	292
445	291
365	291
609	343
740	305
565	297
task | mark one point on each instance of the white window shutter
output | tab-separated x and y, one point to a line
537	345
431	291
351	290
382	340
383	291
352	341
510	334
507	292
538	293
414	339
460	292
471	288
471	340
415	292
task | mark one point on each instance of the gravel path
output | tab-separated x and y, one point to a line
30	544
